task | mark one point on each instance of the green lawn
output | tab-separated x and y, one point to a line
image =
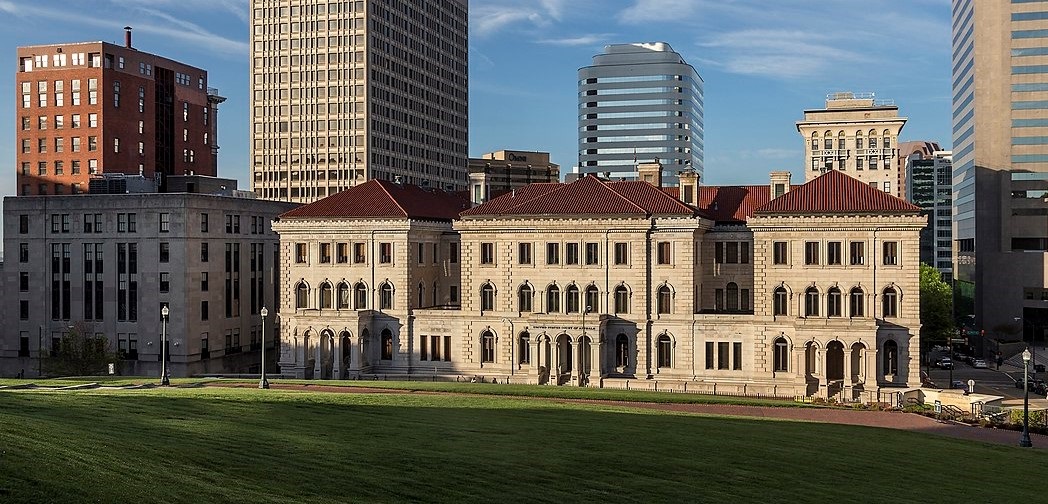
246	445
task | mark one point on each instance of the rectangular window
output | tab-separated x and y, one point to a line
165	222
833	253
165	252
552	253
204	285
385	255
780	253
718	299
342	253
858	253
592	251
664	255
891	253
744	252
204	224
736	356
359	255
447	348
204	256
710	358
571	253
731	252
453	253
621	253
811	253
422	347
718	252
722	355
487	253
300	253
325	253
524	253
165	282
453	294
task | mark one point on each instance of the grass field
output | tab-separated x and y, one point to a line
241	445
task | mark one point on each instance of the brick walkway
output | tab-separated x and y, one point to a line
884	419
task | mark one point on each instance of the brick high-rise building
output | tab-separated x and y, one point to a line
344	92
90	108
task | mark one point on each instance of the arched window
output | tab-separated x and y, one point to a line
891	357
856	304
622	350
524	298
840	140
571	299
873	139
827	140
664	300
524	348
552	299
387	344
664	348
891	303
887	143
342	294
302	295
421	295
487	297
811	302
385	296
858	139
347	348
833	302
732	294
487	347
782	354
622	299
814	140
780	303
325	296
361	301
592	299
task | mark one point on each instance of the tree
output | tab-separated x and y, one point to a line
937	324
80	353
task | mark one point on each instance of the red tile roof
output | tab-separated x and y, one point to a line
732	204
836	193
587	195
381	198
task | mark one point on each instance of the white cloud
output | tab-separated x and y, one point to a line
498	15
238	8
659	10
784	54
581	40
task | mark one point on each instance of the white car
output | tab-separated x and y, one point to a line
979	364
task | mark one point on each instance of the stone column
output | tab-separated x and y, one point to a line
317	354
846	389
336	358
820	365
596	362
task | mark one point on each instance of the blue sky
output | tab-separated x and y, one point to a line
763	63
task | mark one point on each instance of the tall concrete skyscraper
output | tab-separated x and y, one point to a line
347	91
1000	165
638	103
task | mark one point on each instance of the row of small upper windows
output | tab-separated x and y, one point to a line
834	253
573	253
360	254
575	300
344	297
828	137
812	302
128	223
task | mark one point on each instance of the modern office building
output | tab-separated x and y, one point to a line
89	108
1000	146
496	173
929	185
775	289
857	134
108	263
343	92
640	103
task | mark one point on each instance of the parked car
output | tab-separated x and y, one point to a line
979	364
944	363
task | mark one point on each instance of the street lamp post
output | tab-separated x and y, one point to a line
263	383
164	379
1025	440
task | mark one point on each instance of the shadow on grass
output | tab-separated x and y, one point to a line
242	446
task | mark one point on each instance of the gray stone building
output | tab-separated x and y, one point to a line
108	263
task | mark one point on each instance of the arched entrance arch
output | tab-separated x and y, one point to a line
564	360
346	345
585	359
834	368
544	358
326	354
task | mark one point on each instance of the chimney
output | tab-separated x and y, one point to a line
780	183
689	187
127	37
650	173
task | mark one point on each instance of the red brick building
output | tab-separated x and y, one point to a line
84	109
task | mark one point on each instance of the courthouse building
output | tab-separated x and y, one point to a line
770	289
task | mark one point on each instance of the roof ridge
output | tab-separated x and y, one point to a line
607	186
381	183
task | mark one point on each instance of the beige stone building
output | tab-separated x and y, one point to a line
614	284
857	134
499	172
